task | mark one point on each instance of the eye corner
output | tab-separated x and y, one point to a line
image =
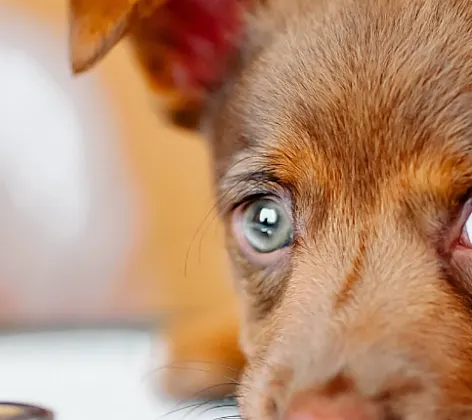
461	235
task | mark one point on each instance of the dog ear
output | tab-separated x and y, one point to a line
183	46
95	27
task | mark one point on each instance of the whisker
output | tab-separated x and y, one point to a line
196	405
234	416
208	409
202	229
230	381
218	407
194	408
194	237
179	407
214	207
220	203
203	233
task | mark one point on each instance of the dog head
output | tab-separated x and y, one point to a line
342	142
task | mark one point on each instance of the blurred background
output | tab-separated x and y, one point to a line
101	205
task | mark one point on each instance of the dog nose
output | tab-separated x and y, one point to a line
307	406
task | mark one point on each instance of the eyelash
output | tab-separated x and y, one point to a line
250	198
265	187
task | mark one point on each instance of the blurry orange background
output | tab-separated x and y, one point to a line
145	247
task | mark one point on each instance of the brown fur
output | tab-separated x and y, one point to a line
357	113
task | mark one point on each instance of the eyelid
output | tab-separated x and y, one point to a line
232	198
247	200
241	182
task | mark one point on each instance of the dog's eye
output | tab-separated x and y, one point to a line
264	225
466	233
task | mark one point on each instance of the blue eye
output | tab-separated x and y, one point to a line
266	226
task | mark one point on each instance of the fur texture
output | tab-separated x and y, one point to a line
357	115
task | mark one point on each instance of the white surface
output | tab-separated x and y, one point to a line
90	375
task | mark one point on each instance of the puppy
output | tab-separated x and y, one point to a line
341	134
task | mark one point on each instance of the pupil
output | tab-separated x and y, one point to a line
266	221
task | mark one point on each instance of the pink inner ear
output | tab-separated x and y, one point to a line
205	32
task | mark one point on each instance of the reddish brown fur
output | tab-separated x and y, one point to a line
358	114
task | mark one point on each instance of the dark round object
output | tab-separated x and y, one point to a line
15	411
